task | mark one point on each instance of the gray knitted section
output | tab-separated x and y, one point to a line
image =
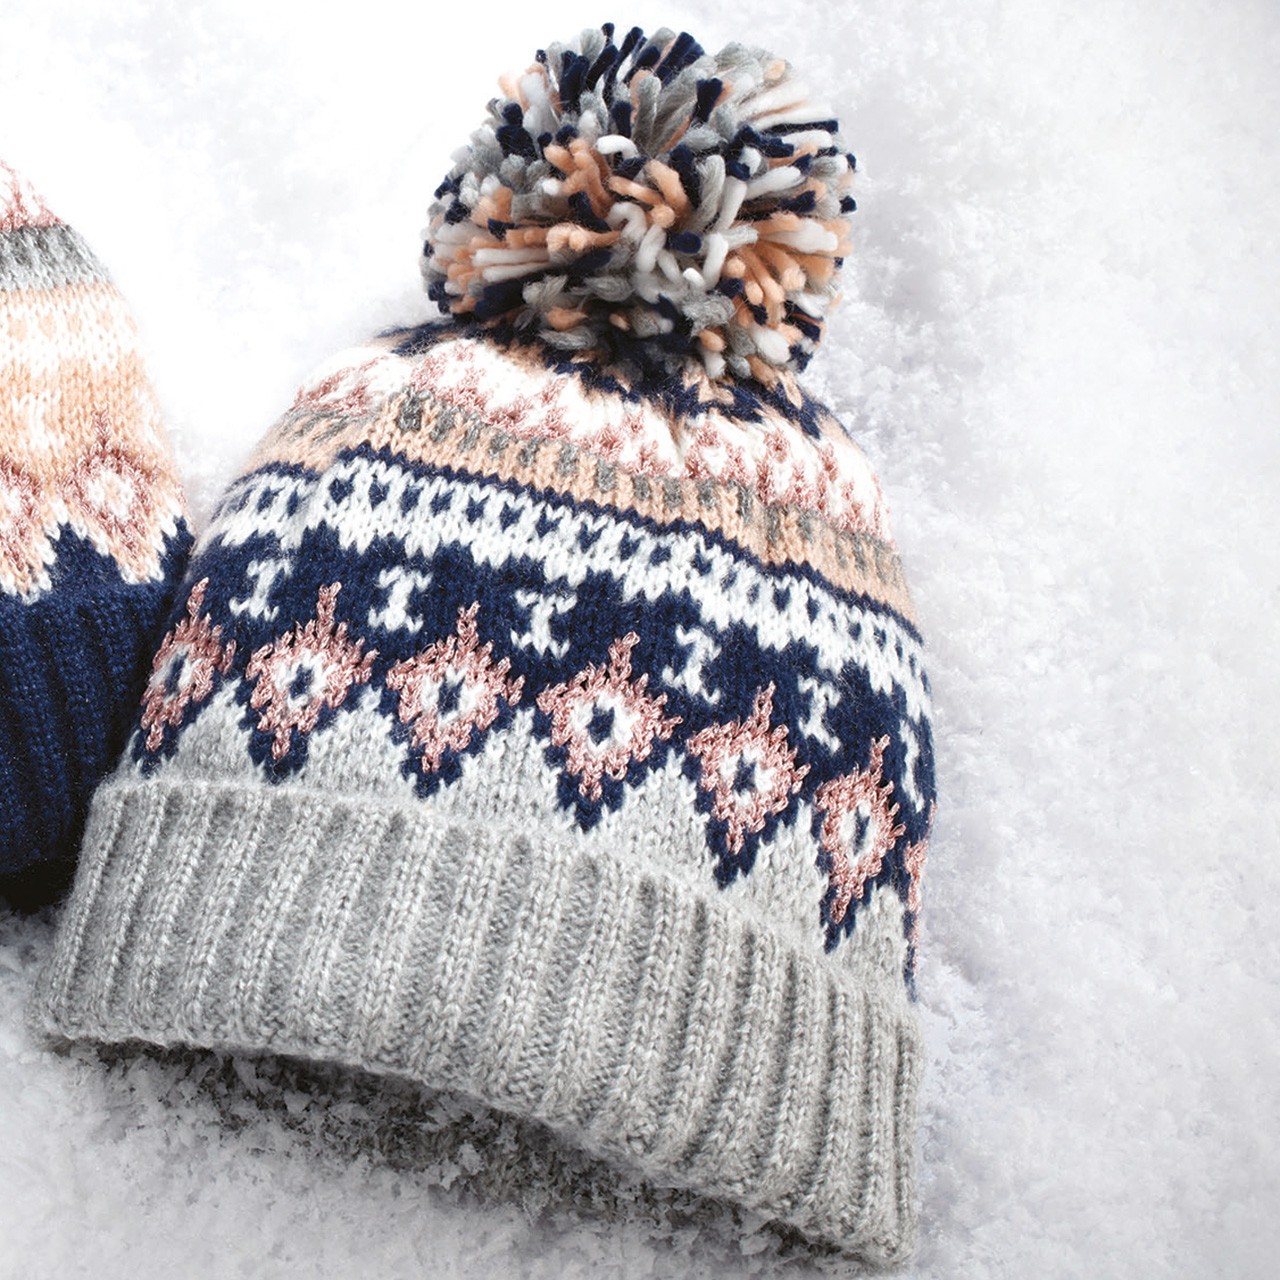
646	1025
46	258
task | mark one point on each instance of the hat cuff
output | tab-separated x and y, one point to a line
71	671
652	1026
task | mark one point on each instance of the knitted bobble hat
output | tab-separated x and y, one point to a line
543	719
92	536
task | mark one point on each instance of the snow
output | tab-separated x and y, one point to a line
1056	345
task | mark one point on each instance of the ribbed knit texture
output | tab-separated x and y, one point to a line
654	1028
92	536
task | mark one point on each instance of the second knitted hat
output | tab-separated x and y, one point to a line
545	716
93	536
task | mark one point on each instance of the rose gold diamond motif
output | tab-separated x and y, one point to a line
113	498
302	673
450	692
858	830
22	538
605	720
749	769
183	670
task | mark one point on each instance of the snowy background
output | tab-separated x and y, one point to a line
1057	344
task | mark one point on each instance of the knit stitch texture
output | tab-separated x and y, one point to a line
92	535
543	729
503	743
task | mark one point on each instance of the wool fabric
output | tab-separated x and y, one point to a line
92	535
548	723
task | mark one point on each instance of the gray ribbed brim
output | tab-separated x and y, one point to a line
654	1028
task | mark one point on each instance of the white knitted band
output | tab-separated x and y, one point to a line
655	1028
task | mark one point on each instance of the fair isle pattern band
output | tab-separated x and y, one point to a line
84	472
452	607
739	463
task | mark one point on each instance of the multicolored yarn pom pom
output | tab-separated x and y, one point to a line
651	204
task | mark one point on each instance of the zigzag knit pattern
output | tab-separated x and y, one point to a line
503	576
92	530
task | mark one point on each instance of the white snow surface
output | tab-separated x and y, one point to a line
1054	346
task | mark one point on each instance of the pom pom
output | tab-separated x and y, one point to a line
651	205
